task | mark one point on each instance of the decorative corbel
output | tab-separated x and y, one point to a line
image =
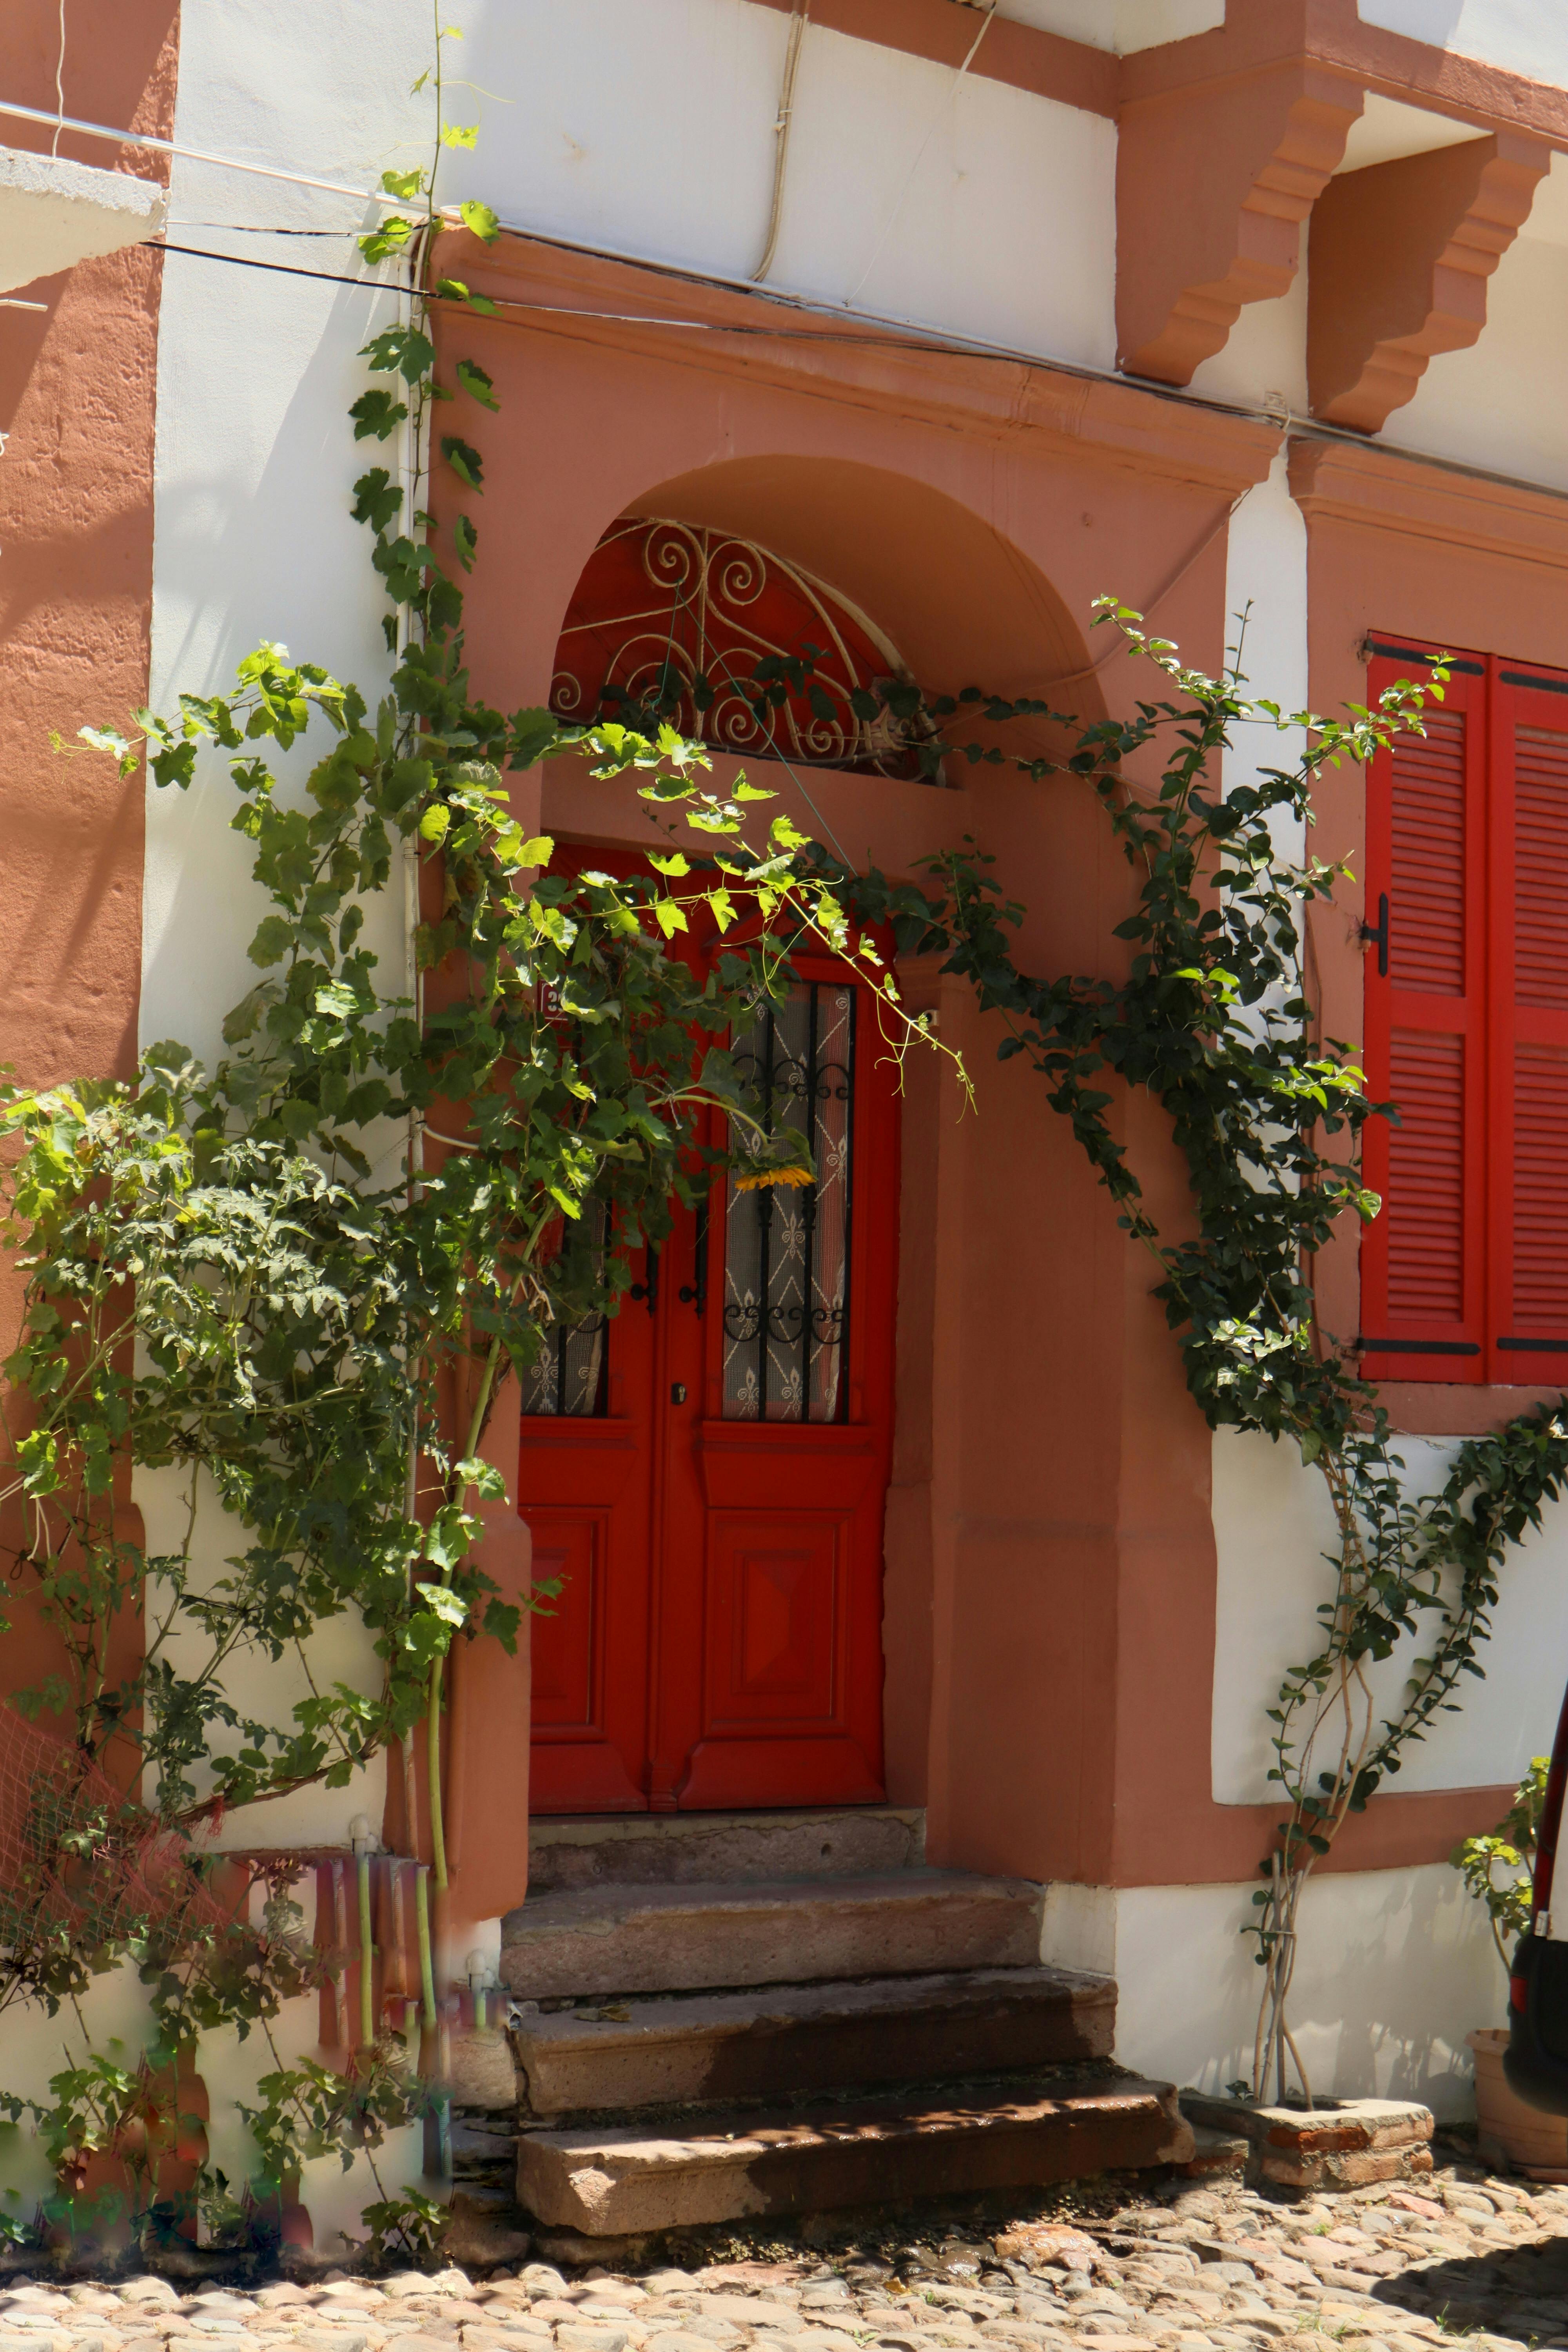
1212	186
1400	255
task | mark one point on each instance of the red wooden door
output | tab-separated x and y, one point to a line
708	1472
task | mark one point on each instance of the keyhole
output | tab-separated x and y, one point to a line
677	1392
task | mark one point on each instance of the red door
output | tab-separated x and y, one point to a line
708	1472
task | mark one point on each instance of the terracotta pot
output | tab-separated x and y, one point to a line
1508	2131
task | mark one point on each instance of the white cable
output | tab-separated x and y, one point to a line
798	25
59	86
190	154
919	156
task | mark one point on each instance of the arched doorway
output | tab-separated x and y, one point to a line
706	1474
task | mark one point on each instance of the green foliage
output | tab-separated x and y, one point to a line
269	1280
407	2228
1214	1020
1511	1849
311	2110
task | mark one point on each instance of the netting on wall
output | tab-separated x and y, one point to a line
82	1866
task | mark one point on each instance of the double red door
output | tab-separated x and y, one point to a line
707	1473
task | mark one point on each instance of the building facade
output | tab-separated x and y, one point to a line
915	327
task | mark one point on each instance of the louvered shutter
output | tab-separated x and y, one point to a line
1423	1258
1529	1107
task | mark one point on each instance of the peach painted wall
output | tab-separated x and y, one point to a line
1050	1630
77	389
1050	1559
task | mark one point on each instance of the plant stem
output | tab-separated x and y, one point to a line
432	1719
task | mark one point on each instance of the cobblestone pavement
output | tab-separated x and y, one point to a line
1190	2268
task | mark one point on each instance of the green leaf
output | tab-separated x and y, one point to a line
459	135
274	937
377	413
378	500
464	459
453	290
476	383
400	351
480	221
532	736
390	237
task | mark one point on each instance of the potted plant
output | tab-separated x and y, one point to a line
1499	1870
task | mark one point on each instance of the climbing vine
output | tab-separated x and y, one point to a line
1213	1019
293	1283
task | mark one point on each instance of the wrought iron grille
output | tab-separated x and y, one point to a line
569	1375
675	623
786	1251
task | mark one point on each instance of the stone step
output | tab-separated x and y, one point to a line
568	1850
790	2039
616	1939
605	2183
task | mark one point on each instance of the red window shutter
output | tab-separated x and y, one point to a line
1528	1305
1423	1258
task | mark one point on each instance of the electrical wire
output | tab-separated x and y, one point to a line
59	86
900	338
799	17
1267	411
919	157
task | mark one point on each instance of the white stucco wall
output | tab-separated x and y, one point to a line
253	541
1263	363
1266	621
1523	37
1122	26
1272	1526
1496	405
975	208
1394	1968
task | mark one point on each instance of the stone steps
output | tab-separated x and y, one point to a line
572	1850
726	2166
791	2039
598	1939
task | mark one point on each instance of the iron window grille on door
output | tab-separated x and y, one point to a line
787	1250
1465	1272
567	1378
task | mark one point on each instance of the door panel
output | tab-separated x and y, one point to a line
718	1519
772	1613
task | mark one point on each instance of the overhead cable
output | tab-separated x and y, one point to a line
891	336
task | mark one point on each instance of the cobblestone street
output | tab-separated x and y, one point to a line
1185	2267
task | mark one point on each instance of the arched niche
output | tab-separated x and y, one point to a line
960	602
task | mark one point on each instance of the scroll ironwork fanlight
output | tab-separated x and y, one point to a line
732	645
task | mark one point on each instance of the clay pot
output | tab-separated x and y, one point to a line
1508	2130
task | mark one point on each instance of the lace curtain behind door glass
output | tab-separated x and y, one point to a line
568	1375
787	1250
